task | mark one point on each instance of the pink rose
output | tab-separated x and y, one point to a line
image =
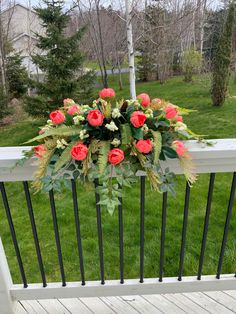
57	117
179	119
95	117
39	150
145	99
170	112
157	101
68	101
42	131
115	156
138	118
79	151
179	147
107	93
144	146
72	110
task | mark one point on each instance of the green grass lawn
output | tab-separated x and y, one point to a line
216	122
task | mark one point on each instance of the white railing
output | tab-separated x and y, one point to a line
221	157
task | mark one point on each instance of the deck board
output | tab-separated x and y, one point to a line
215	302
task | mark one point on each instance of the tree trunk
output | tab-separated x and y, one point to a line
130	49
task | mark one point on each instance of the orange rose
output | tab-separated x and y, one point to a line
95	117
115	156
144	146
79	151
138	118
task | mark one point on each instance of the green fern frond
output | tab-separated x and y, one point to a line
65	157
184	111
102	156
94	146
157	145
125	133
60	131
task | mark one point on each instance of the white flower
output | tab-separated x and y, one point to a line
145	128
83	134
78	118
94	104
111	126
84	109
115	142
116	113
49	122
180	126
61	144
149	113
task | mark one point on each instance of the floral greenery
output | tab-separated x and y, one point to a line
109	141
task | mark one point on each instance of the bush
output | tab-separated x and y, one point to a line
191	63
3	104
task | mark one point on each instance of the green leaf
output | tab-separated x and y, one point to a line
137	133
157	145
125	133
169	152
65	157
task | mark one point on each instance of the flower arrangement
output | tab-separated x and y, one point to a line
109	141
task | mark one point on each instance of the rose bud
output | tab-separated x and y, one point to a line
39	150
79	151
145	99
170	112
115	156
179	147
57	117
73	110
95	117
138	118
107	93
179	118
144	146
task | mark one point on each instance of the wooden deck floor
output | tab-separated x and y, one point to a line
217	302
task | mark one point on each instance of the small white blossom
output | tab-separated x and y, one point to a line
78	118
116	113
115	142
61	144
180	126
49	122
94	104
83	134
111	126
84	109
145	128
149	113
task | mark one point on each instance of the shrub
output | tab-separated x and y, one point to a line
191	63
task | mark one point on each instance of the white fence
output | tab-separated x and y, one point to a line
221	157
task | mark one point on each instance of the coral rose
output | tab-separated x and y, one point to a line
107	93
68	101
95	117
170	112
179	118
144	146
116	156
57	117
179	147
72	110
79	151
39	150
138	118
145	99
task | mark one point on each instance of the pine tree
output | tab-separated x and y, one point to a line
60	60
222	59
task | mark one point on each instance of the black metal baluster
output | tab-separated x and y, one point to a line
13	234
163	230
226	228
34	231
78	233
184	231
206	223
121	240
99	226
142	208
57	237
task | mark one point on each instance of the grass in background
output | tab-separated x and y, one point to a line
216	122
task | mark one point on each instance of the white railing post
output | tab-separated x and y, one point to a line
7	304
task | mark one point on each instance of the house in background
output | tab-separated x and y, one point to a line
20	25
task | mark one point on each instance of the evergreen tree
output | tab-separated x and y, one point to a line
61	62
222	59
